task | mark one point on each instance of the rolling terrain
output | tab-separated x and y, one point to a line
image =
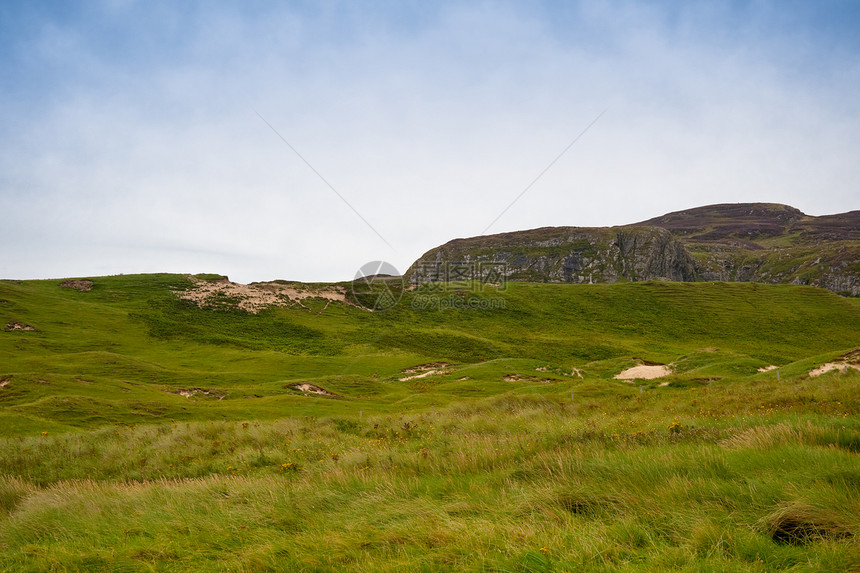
147	427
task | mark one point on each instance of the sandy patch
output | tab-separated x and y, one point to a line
425	367
424	370
830	366
15	325
768	368
81	285
644	372
190	392
312	389
422	375
256	296
848	360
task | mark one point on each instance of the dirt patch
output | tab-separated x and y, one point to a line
82	285
255	297
191	392
645	372
4	381
422	375
311	389
852	356
15	325
424	370
425	367
830	366
848	360
768	368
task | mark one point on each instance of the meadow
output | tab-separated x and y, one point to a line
140	432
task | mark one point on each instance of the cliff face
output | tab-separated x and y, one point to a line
572	254
738	242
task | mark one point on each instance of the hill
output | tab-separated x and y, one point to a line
70	356
746	242
131	348
176	423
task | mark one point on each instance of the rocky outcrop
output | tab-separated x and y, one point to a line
564	254
759	242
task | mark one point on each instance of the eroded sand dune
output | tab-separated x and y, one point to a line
644	371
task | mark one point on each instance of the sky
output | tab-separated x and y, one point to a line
300	140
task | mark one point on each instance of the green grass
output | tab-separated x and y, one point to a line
506	460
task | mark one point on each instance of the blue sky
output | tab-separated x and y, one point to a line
131	140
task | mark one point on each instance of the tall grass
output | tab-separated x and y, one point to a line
509	483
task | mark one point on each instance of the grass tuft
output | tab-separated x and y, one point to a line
798	523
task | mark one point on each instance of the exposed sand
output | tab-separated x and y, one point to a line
422	375
257	296
424	370
190	392
848	360
841	366
312	389
768	368
644	372
425	367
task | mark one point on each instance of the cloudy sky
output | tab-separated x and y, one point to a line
300	140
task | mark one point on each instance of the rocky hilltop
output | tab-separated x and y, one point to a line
759	242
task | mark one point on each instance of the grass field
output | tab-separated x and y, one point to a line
139	432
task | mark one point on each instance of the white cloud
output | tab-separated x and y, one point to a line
157	160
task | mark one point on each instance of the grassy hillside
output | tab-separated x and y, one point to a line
123	351
143	433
